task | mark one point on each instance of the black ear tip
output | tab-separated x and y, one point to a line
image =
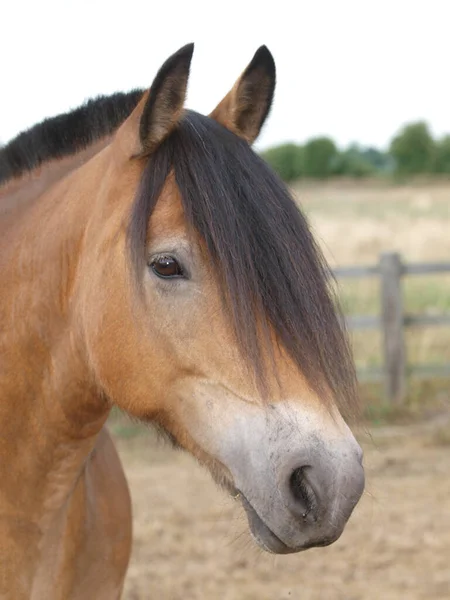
180	60
181	57
264	58
186	51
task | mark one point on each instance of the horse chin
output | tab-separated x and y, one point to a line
263	536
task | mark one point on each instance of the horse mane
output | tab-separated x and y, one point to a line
264	253
260	243
66	134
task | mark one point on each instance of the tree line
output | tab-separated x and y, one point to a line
413	151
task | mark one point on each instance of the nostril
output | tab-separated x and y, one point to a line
303	493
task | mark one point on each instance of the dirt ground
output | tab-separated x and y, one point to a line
191	542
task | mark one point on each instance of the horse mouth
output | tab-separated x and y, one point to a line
261	533
264	537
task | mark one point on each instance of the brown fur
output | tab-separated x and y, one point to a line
56	470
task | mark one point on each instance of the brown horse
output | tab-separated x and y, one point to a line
151	260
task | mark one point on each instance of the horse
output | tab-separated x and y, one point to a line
150	260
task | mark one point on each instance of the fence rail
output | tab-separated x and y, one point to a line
393	320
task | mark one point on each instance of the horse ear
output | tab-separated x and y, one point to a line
166	98
160	108
245	108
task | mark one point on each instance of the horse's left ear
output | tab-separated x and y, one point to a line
245	108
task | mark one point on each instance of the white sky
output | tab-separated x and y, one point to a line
352	69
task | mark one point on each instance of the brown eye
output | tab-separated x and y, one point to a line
166	267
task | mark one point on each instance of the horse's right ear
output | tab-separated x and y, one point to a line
245	108
161	107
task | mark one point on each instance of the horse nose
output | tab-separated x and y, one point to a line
321	495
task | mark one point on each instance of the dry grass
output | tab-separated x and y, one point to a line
355	222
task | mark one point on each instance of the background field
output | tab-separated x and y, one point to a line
191	542
354	222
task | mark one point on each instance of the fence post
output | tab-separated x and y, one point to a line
392	321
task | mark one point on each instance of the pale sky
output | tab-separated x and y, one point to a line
354	70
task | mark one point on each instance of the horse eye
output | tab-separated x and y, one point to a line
166	267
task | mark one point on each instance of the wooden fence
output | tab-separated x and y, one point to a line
393	320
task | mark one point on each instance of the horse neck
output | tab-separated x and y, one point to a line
22	190
50	410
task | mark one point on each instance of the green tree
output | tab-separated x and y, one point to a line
286	160
352	162
319	154
442	156
413	149
380	161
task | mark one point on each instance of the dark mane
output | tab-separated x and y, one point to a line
270	266
66	134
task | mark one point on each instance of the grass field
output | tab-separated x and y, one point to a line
354	222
